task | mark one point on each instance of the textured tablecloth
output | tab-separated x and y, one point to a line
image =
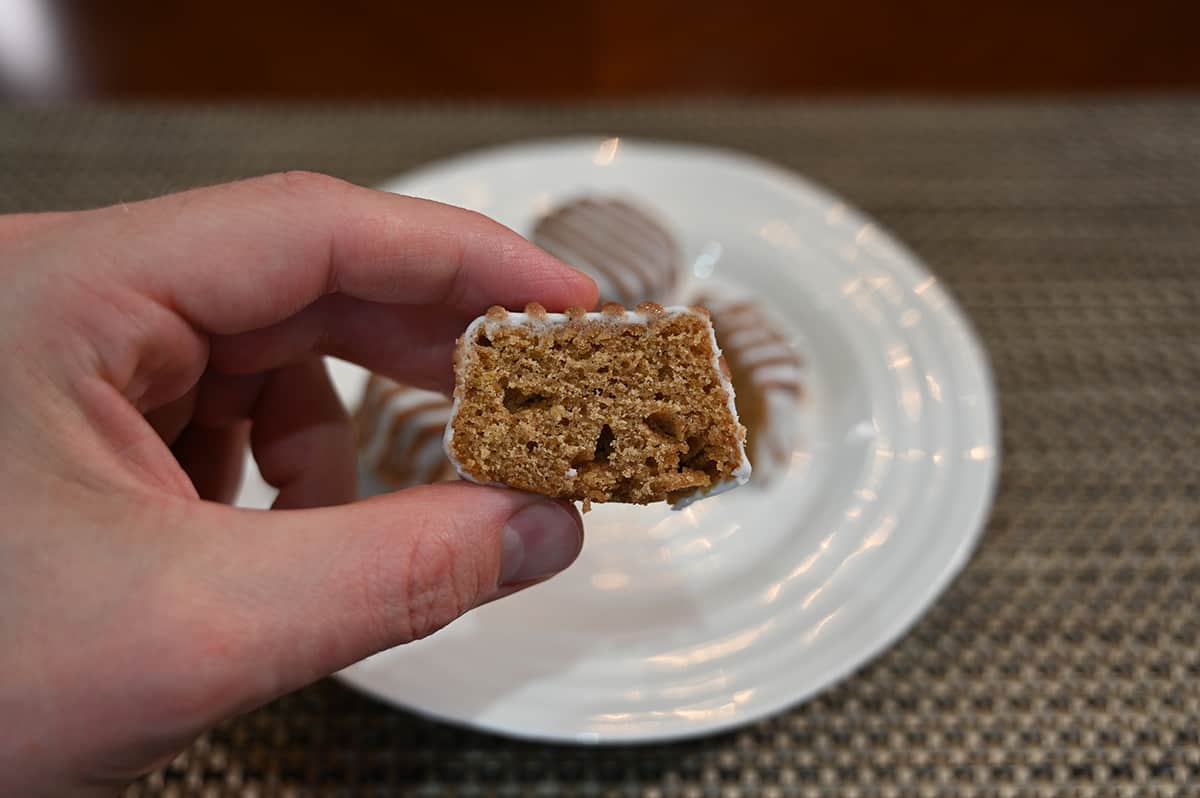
1066	658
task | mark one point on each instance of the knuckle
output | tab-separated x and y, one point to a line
480	219
300	182
433	594
420	585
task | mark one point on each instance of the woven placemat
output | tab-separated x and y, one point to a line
1066	658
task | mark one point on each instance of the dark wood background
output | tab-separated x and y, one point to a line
360	50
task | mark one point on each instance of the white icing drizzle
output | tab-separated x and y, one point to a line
614	240
410	442
740	475
616	286
777	440
775	372
788	373
749	336
764	353
381	440
623	247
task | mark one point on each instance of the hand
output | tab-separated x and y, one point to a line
141	347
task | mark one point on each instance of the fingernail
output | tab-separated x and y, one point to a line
540	540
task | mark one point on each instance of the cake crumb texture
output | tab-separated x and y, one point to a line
616	406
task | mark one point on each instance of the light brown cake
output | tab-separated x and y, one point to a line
622	406
766	373
619	244
399	435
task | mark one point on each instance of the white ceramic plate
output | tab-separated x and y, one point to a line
674	624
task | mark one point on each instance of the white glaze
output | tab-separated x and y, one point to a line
771	365
741	474
379	442
624	247
782	372
761	353
426	460
743	338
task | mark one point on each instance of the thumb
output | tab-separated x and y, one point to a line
290	596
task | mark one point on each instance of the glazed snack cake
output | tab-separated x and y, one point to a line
767	374
616	406
619	244
399	434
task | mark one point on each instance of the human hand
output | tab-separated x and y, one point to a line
141	347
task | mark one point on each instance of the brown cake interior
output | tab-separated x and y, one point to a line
596	409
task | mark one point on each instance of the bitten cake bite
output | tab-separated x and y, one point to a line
399	434
621	406
766	373
630	254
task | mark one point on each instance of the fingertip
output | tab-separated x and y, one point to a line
562	286
582	289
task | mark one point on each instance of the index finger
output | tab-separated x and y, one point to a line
246	255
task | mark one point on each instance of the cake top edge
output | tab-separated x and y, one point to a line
610	311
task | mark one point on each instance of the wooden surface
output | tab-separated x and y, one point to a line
355	49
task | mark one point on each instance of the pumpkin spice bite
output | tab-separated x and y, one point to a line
616	406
